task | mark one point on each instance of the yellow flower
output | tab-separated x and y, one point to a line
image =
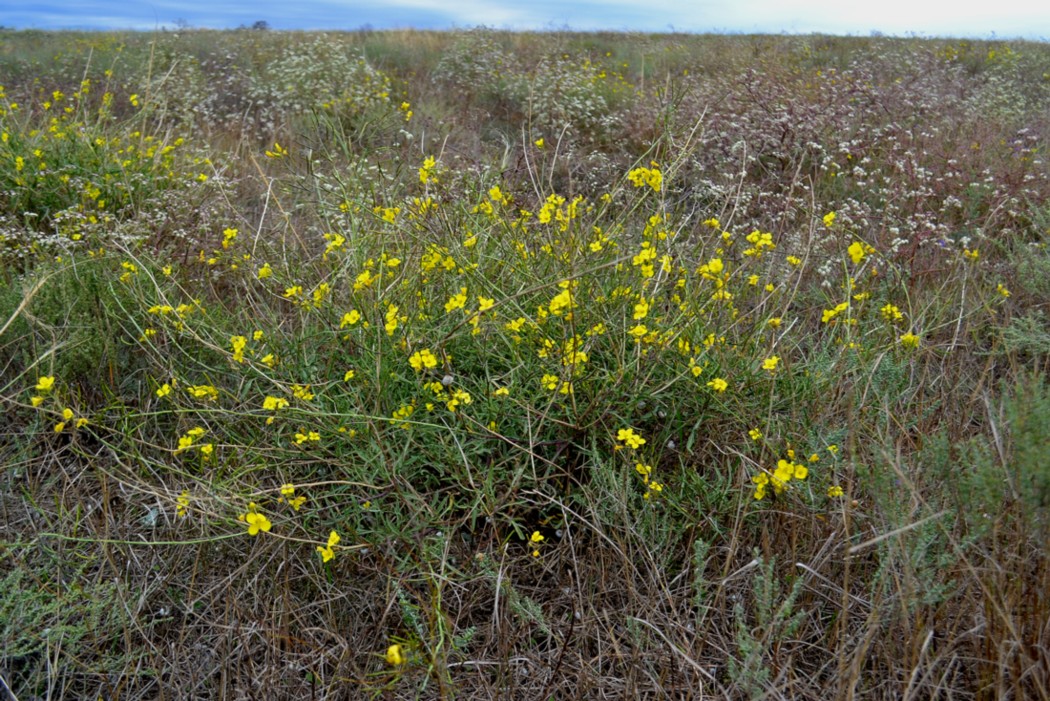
770	363
327	553
891	313
203	392
761	480
536	537
755	434
394	655
423	359
654	490
539	142
164	390
457	301
1001	289
835	491
256	521
718	384
829	219
971	256
36	401
630	438
238	344
909	340
274	403
182	504
426	172
856	252
44	384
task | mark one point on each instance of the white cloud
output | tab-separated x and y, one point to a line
1005	18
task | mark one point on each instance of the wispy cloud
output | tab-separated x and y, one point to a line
929	17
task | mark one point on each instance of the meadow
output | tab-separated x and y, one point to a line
523	366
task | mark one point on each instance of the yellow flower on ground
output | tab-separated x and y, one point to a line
654	490
718	384
829	219
394	655
909	340
274	403
327	553
755	434
761	480
890	312
644	471
856	252
423	359
630	438
182	504
770	363
203	392
44	384
256	521
238	344
835	491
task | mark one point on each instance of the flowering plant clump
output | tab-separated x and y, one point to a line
486	321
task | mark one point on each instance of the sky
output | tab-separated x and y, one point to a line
962	18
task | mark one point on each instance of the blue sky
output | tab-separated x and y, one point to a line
971	18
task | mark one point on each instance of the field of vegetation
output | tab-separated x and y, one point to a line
481	365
